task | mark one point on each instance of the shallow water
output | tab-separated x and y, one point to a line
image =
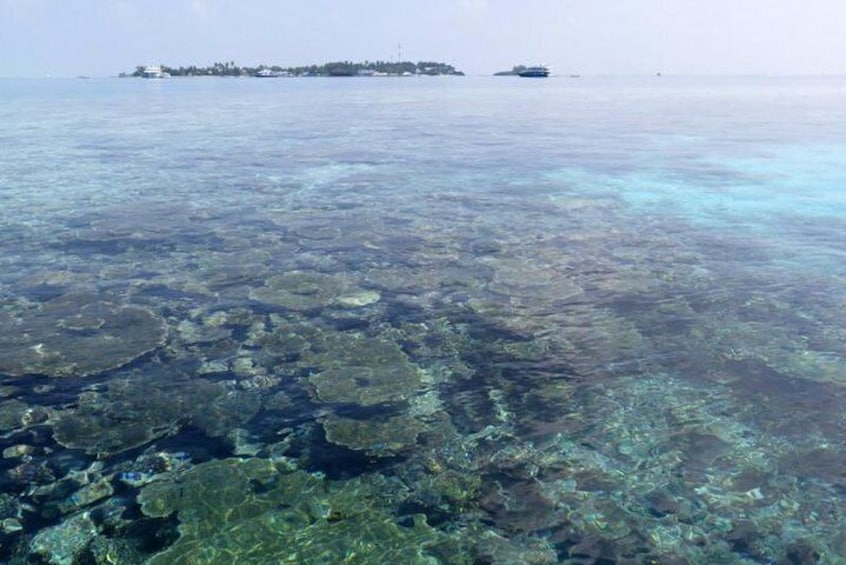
457	320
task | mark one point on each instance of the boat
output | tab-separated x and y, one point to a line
539	71
270	73
154	71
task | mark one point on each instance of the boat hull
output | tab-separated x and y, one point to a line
535	72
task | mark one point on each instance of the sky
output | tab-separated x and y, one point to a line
106	37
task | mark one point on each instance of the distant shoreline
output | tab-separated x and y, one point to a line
332	69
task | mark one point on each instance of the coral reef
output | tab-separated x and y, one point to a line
76	334
134	411
470	377
376	437
304	290
252	511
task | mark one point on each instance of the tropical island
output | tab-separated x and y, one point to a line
333	69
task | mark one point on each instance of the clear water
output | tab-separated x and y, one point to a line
463	320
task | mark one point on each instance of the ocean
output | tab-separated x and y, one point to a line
469	320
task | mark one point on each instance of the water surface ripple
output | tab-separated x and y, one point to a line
423	320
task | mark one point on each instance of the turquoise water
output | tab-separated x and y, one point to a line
436	320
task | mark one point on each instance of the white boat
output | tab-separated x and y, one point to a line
270	73
154	71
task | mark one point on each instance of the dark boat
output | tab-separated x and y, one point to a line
539	71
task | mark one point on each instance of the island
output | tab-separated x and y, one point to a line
332	69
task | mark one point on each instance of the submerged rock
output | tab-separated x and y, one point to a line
12	414
30	473
88	494
111	551
76	335
63	544
18	450
10	508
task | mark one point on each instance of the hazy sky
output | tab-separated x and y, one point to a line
105	37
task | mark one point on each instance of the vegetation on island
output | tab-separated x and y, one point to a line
337	68
515	70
